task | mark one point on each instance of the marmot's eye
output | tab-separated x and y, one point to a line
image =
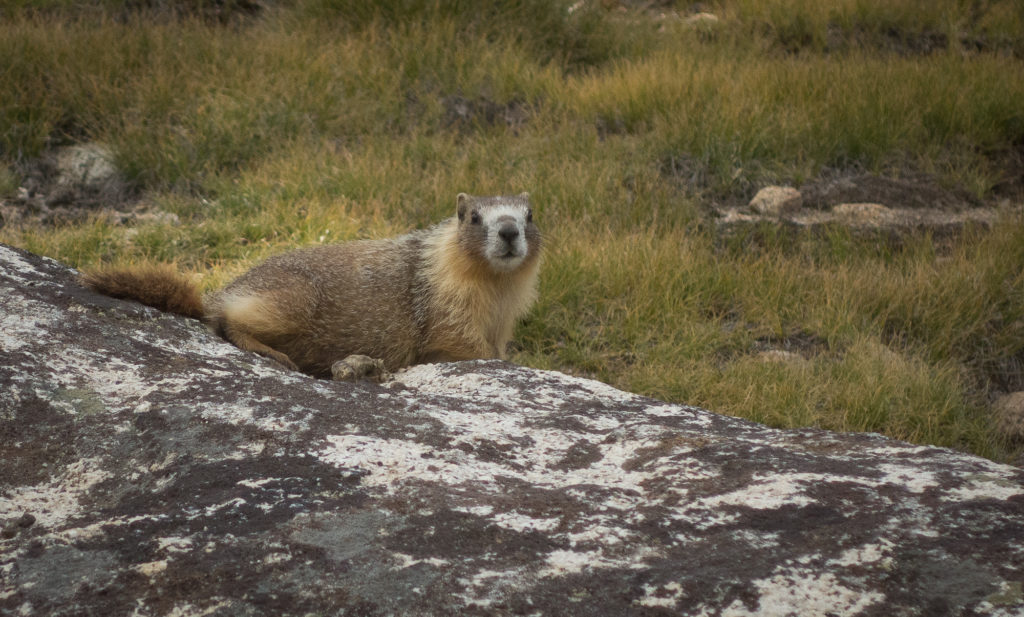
529	216
474	218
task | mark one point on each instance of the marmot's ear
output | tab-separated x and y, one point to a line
462	204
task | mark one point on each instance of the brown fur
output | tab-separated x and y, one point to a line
159	286
431	295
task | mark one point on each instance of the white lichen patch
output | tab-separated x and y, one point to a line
666	595
187	609
212	510
394	463
403	561
913	479
767	492
601	529
561	562
280	557
698	416
20	317
393	460
984	486
388	460
151	568
521	522
872	554
93	531
175	544
478	510
112	378
16	268
53	503
598	424
430	378
703	520
78	534
591	389
257	483
801	593
486	586
565	389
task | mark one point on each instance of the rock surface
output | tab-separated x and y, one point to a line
148	468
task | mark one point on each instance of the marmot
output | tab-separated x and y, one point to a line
450	292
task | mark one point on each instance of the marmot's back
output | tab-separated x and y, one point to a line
451	292
321	304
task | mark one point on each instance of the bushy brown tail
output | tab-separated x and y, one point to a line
159	286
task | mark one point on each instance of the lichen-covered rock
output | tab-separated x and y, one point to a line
148	468
87	165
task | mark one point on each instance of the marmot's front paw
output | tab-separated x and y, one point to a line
357	367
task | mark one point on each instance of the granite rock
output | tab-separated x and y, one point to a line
148	468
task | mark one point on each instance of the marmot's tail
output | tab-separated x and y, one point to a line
159	286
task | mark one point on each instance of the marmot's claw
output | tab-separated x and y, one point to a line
358	367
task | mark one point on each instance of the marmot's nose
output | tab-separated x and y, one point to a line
508	232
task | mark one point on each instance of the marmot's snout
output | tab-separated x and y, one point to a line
508	246
509	232
511	242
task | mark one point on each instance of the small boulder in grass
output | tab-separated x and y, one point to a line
776	200
864	214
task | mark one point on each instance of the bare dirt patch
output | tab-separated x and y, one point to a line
464	114
916	191
74	184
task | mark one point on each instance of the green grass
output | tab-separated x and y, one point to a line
323	120
890	342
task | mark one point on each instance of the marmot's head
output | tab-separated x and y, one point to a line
498	230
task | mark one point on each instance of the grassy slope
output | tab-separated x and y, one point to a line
319	121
